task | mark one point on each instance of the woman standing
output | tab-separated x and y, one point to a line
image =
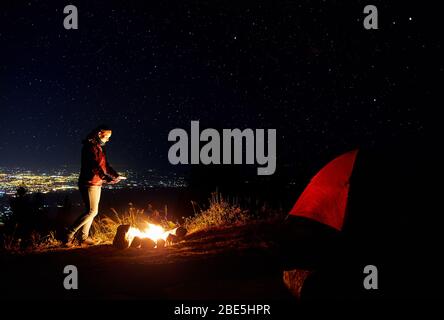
95	170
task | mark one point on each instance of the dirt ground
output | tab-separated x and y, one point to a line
237	263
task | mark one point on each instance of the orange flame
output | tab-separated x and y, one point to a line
152	231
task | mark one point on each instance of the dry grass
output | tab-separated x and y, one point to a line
45	242
35	242
219	213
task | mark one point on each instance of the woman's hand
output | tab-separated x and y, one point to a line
118	179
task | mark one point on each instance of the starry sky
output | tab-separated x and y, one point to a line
308	69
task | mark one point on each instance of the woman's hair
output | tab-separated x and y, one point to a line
93	133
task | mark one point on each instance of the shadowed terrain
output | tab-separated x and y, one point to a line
234	263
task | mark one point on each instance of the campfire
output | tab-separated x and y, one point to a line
151	237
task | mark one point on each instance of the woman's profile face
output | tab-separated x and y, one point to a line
104	135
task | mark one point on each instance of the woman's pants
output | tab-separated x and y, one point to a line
91	199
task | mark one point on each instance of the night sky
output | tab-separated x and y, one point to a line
308	69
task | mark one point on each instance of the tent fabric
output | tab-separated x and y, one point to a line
325	197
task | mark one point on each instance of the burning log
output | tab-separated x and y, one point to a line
137	242
121	238
147	243
149	238
181	232
161	243
172	239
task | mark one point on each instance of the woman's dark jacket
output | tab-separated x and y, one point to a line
95	168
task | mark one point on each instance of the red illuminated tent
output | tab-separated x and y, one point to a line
379	206
325	197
